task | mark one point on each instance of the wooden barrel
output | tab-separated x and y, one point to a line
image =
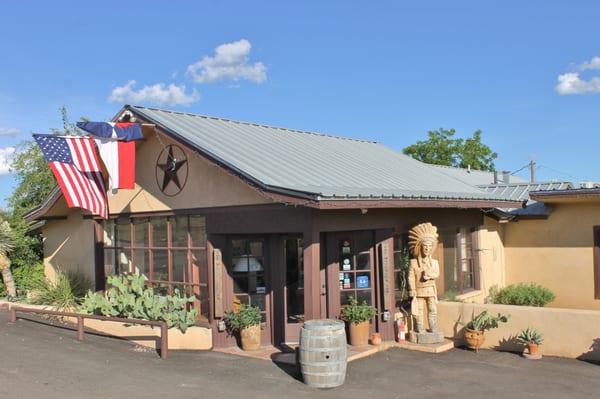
323	353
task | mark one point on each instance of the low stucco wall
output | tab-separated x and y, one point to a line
569	333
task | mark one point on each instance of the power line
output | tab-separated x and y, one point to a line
559	172
520	169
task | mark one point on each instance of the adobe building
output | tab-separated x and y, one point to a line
293	222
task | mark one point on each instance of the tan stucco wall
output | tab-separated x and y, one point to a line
556	253
69	245
207	185
567	332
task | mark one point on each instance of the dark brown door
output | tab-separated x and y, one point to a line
249	270
294	288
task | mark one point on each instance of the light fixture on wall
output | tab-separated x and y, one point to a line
364	211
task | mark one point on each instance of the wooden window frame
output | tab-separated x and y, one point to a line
194	285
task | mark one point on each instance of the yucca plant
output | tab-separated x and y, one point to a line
65	292
6	244
530	336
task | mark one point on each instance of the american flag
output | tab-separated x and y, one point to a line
75	165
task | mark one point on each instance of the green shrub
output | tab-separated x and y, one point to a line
66	292
523	294
530	336
129	297
356	313
247	316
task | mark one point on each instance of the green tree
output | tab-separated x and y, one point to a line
442	148
34	179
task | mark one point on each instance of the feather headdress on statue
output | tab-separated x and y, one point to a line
421	233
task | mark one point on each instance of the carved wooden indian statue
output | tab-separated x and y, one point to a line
422	273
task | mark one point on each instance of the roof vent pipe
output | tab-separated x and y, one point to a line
505	176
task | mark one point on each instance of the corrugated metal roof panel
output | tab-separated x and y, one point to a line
327	166
520	191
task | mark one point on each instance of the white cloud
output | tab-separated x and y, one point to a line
594	63
230	62
9	131
157	94
5	159
571	83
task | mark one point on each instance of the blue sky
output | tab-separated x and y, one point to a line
388	71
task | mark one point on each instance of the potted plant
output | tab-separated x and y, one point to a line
246	321
532	339
475	329
358	316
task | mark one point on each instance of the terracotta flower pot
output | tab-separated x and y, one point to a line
376	339
250	338
534	349
474	338
359	334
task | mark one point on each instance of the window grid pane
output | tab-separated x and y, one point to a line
169	257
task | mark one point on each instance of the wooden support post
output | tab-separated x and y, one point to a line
164	341
13	315
312	281
79	328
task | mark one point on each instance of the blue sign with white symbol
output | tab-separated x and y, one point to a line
362	282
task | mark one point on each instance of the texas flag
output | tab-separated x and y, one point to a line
116	145
127	131
119	159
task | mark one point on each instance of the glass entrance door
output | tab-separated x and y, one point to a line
294	288
249	273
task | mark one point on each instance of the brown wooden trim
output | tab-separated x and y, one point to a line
596	262
312	261
402	203
476	259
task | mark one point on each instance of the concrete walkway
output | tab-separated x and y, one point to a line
38	361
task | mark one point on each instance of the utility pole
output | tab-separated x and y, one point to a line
532	170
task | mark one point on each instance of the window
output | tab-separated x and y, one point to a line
169	251
459	274
401	264
456	258
355	277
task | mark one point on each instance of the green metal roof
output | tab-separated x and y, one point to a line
320	165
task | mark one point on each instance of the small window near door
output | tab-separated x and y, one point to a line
355	277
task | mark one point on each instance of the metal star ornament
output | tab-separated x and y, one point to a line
174	170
